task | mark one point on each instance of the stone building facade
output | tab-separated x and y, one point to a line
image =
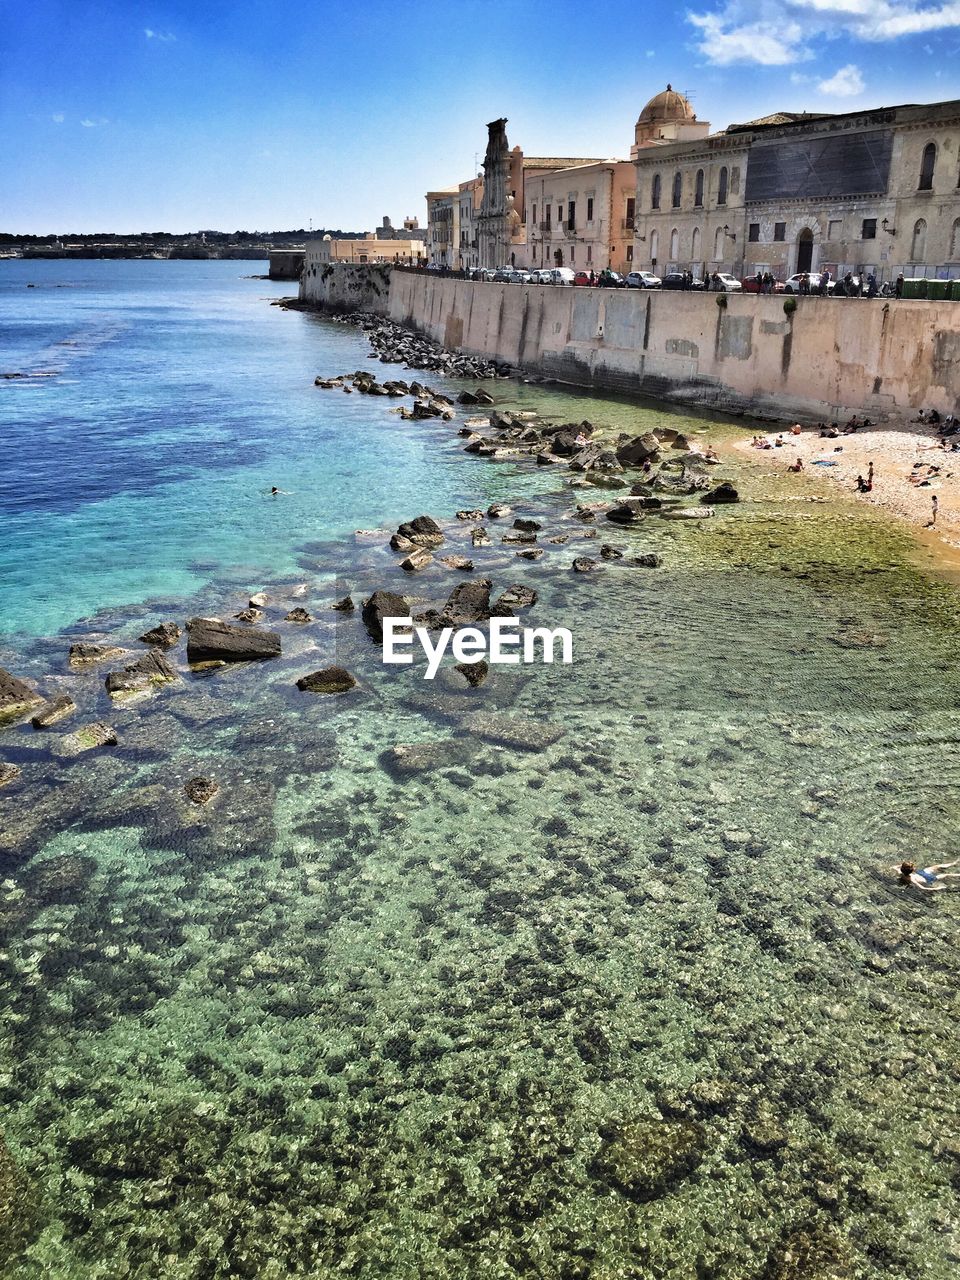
443	227
580	217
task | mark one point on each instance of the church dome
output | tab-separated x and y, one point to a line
667	106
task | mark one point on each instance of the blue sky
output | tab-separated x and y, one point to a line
173	115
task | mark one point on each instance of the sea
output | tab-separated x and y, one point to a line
614	981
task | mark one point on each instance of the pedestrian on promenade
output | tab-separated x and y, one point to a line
824	282
898	287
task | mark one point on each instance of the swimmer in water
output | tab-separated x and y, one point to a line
928	878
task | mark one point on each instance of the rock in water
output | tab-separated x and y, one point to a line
345	605
329	680
474	672
87	738
249	615
423	532
470	515
648	1158
510	601
8	773
299	614
152	668
58	709
85	655
418	559
512	731
407	759
468	603
479	537
457	562
629	511
583	564
637	450
724	492
209	639
258	601
201	790
497	510
527	526
648	560
16	696
609	552
382	604
162	636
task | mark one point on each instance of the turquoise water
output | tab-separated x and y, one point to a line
644	1003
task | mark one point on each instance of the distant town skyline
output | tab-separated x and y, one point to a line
128	116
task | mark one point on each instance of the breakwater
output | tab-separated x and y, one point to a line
736	353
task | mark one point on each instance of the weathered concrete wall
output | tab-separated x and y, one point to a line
345	286
881	358
286	264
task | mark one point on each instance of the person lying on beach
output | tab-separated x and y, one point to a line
927	878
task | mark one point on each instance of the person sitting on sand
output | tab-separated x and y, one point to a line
927	878
861	485
711	454
796	466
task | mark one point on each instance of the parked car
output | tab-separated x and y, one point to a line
562	275
502	275
792	284
610	280
677	280
583	277
543	276
641	280
749	285
730	283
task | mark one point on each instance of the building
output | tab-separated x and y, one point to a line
443	227
411	230
864	191
471	199
319	253
581	217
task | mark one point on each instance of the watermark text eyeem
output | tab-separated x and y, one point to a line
508	643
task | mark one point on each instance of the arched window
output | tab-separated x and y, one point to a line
655	192
718	245
654	245
698	193
955	241
722	187
677	188
695	250
919	248
674	245
927	166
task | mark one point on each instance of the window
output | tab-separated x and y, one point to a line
919	241
869	229
654	245
674	244
630	248
698	192
834	228
753	234
779	231
573	254
927	166
559	215
589	252
722	186
955	241
677	188
655	192
631	215
695	250
735	181
571	215
546	217
718	245
534	215
589	208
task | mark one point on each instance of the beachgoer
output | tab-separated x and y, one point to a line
870	474
927	878
861	485
796	466
935	508
274	490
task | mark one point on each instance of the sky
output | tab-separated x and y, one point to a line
197	114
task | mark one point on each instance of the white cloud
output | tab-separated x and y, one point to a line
165	37
89	123
777	32
58	117
847	83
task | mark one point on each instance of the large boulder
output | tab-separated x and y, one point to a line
163	635
422	532
87	738
468	603
51	712
382	604
637	450
210	640
150	669
329	680
724	492
515	597
628	511
16	696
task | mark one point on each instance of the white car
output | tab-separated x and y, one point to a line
543	276
562	275
642	280
793	284
730	283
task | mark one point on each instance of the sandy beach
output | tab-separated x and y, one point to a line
897	454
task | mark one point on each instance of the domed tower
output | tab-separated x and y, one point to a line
668	117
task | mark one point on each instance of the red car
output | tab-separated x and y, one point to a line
750	285
582	277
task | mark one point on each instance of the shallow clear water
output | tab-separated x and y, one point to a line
644	1003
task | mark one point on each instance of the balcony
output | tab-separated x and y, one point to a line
545	226
570	230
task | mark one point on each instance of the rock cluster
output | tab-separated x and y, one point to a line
395	344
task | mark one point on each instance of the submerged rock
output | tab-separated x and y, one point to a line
650	1157
85	655
52	712
407	759
724	492
648	560
457	562
474	672
8	773
480	538
609	552
87	738
468	603
150	669
345	605
249	615
419	558
423	532
512	731
16	696
19	1222
201	790
299	615
583	564
163	635
329	680
208	639
515	597
382	604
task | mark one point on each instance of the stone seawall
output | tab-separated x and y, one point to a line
345	286
882	358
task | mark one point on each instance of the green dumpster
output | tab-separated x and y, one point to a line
938	290
955	290
914	288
